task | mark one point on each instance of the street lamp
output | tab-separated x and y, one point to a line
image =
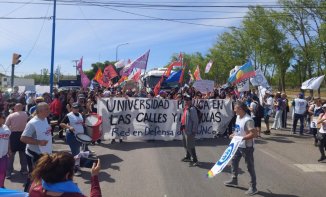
116	50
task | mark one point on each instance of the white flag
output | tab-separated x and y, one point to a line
120	64
313	83
259	79
243	85
208	66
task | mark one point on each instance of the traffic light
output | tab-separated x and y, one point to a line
15	59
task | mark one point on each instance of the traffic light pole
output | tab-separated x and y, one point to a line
12	75
52	49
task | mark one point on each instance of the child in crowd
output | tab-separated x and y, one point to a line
4	149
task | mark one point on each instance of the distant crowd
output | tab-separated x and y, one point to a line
28	120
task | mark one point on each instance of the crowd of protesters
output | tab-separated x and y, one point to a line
67	109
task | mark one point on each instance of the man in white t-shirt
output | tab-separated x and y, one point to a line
244	127
300	106
37	137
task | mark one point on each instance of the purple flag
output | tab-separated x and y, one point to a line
208	66
140	63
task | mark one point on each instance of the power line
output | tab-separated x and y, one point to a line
14	10
185	4
134	19
37	38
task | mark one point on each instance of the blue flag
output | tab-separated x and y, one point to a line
174	77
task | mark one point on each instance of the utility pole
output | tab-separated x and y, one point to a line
52	48
76	62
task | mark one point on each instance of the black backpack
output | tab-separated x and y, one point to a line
259	110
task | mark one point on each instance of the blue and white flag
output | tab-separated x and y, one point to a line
226	157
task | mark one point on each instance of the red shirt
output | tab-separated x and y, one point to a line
37	190
56	107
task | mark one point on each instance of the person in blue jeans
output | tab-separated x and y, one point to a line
73	122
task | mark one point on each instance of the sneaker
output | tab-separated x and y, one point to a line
8	176
186	159
251	191
113	141
194	164
24	172
268	132
321	158
231	183
120	141
77	171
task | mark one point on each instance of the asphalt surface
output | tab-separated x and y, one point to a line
286	165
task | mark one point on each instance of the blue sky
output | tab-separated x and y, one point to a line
97	40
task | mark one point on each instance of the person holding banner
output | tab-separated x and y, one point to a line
189	127
244	127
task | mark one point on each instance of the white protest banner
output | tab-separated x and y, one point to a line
313	83
259	79
159	119
243	86
204	86
226	157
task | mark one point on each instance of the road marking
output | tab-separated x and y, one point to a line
312	167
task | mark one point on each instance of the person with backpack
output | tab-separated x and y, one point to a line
256	112
189	128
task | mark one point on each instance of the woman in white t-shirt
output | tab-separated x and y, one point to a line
321	136
4	149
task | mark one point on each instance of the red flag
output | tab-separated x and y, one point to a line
136	76
99	75
182	74
180	57
197	74
168	71
109	72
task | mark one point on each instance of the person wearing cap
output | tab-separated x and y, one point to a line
73	122
81	100
300	106
321	135
244	127
37	137
162	94
33	108
189	128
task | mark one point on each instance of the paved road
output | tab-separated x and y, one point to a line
286	165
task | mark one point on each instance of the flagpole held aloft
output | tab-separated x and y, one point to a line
52	48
